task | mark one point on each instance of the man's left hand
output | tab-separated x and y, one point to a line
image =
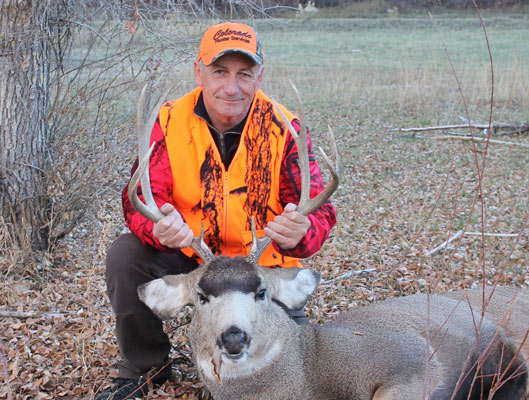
289	228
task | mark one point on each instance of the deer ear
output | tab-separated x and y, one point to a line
291	286
166	296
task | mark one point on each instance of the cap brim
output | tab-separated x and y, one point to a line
255	58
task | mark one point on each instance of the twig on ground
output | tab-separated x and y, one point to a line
445	243
31	314
459	233
348	275
495	129
491	141
493	234
439	128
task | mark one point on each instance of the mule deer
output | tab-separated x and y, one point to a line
416	347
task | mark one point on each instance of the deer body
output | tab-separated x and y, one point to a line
246	347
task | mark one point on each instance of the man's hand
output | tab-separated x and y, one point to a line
171	230
289	228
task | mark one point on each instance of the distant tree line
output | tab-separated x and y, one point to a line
410	4
457	4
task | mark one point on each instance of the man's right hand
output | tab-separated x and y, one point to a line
171	230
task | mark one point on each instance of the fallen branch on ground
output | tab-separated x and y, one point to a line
439	128
348	275
459	233
445	243
495	129
493	234
491	141
31	314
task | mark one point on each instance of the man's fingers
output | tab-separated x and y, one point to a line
288	228
164	224
281	227
276	236
177	238
290	207
292	220
186	242
171	230
167	208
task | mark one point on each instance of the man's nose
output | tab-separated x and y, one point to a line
231	86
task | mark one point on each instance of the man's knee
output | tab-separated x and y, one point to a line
130	263
128	266
125	254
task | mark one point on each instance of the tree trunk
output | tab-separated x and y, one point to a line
24	69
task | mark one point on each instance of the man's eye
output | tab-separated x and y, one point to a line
203	299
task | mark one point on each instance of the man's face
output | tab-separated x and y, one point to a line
228	87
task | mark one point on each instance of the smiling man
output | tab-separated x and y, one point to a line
222	156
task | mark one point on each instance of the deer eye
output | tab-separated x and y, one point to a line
260	294
203	299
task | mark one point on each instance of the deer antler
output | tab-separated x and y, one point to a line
306	204
150	210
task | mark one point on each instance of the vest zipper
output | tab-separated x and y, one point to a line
225	200
222	149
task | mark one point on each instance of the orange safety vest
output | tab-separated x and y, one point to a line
224	201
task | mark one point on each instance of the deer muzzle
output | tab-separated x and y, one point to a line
233	340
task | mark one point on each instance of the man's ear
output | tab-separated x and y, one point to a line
166	296
291	286
199	70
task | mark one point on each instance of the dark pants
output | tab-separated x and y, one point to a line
141	339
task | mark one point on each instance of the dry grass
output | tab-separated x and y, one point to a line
400	197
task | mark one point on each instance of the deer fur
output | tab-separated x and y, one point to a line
415	347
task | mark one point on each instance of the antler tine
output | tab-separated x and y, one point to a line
258	245
143	145
150	210
201	248
306	204
334	168
301	142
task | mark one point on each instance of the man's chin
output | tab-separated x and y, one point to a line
230	120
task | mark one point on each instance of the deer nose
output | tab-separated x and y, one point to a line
234	340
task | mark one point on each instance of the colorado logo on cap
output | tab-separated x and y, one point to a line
230	37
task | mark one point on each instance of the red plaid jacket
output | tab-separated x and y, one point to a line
322	220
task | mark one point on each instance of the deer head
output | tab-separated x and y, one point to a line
237	317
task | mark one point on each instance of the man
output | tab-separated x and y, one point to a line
222	155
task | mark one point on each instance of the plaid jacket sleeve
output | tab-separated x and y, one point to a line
161	186
324	218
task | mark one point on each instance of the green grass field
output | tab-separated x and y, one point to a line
395	43
402	60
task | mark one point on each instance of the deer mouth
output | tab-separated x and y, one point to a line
220	356
234	357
